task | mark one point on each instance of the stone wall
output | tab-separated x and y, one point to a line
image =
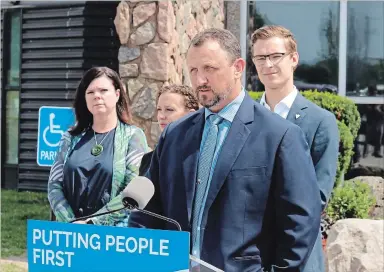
154	39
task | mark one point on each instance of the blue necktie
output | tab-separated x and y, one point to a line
203	171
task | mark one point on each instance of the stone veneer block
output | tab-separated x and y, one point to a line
185	41
141	13
165	20
129	70
134	85
127	54
206	4
143	34
122	22
144	105
191	27
154	63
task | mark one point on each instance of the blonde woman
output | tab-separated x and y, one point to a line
173	102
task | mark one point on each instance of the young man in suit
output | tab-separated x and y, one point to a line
233	173
274	53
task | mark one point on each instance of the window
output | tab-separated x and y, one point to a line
315	26
368	148
12	46
365	49
13	75
12	127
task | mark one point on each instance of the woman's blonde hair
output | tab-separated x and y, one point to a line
190	100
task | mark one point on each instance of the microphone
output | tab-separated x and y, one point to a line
137	197
138	193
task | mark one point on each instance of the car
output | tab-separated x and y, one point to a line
301	86
255	84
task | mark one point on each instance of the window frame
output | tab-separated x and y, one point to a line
5	87
343	61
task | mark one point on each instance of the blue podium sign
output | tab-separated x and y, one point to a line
54	246
53	122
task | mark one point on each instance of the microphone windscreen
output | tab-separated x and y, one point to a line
141	190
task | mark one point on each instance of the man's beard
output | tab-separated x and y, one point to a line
215	100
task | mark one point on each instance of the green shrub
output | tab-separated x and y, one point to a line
255	95
344	108
345	152
352	200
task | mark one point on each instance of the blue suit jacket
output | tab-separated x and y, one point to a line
322	135
321	131
263	206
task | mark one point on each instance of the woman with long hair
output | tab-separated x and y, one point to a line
99	156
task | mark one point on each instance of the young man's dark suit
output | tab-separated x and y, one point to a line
322	134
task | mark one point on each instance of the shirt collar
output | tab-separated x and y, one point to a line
287	101
229	111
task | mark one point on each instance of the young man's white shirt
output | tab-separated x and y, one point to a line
283	107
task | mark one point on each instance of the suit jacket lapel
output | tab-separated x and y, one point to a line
191	150
231	148
296	113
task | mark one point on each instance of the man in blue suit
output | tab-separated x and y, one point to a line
235	175
270	46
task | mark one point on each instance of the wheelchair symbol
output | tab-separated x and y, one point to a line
53	129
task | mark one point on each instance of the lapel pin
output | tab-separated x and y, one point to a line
297	116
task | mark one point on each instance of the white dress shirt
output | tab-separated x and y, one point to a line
282	108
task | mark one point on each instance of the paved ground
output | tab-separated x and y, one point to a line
372	161
14	264
8	265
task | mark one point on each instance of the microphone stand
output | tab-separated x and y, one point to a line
135	208
132	208
94	215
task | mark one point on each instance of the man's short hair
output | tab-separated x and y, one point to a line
271	31
223	37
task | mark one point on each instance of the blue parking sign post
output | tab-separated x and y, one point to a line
53	122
